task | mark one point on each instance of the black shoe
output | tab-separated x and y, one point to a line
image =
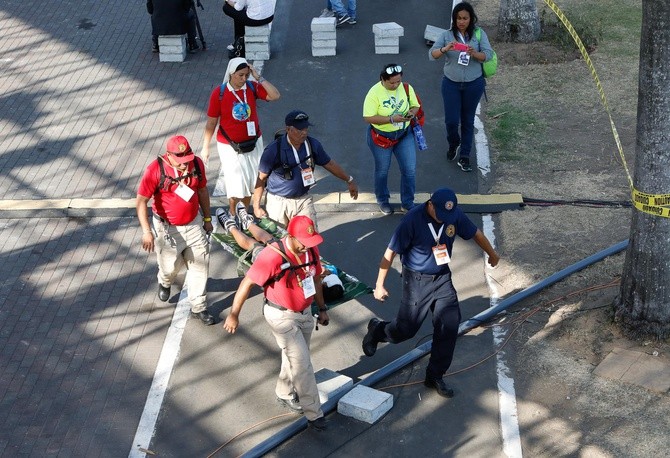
320	424
291	404
453	151
369	341
204	316
194	48
439	385
154	47
464	164
163	292
342	20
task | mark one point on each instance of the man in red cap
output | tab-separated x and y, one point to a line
289	272
176	181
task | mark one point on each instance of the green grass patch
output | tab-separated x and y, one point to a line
608	25
513	132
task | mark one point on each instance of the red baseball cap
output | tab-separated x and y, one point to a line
302	228
180	150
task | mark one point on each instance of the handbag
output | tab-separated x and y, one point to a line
246	146
420	115
382	141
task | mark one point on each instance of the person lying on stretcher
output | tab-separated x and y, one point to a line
333	288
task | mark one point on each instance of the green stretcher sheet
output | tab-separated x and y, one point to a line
352	286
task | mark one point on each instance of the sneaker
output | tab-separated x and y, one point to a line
243	216
225	219
464	164
230	47
453	152
407	208
342	19
385	208
154	47
327	13
439	386
351	21
291	404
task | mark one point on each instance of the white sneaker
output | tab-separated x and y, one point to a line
327	13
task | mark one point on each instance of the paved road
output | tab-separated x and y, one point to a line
84	106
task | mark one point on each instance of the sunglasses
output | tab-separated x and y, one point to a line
185	153
393	69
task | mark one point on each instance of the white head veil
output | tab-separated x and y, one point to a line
232	65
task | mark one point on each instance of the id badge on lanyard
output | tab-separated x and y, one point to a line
463	57
440	252
308	287
307	174
182	190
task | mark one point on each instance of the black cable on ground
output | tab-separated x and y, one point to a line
577	202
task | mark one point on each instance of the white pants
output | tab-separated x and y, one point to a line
178	246
293	332
282	209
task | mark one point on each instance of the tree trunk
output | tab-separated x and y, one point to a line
643	306
518	21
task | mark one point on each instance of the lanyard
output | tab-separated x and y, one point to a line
436	237
244	92
460	35
295	152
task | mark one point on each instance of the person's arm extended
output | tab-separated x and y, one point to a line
485	245
261	181
210	127
380	292
143	216
334	168
203	199
241	296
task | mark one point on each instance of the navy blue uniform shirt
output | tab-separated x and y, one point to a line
414	241
271	163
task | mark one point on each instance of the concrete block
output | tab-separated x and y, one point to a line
433	33
388	29
365	404
324	44
387	49
322	52
256	39
256	47
258	31
390	41
172	40
162	57
324	35
331	384
323	24
260	55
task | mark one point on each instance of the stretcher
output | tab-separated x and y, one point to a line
353	287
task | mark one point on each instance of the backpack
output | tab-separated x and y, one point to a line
420	115
490	67
288	265
288	170
172	180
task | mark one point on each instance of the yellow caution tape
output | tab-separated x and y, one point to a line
654	204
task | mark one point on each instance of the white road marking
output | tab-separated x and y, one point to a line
159	385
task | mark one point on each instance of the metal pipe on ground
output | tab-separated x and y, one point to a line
297	426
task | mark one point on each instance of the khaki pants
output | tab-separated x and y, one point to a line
282	209
178	246
292	332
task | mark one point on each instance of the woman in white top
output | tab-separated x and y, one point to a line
247	13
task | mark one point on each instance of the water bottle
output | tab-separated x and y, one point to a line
420	138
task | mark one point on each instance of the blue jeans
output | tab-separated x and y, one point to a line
338	7
460	105
405	153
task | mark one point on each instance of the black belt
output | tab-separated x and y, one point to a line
279	307
422	275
